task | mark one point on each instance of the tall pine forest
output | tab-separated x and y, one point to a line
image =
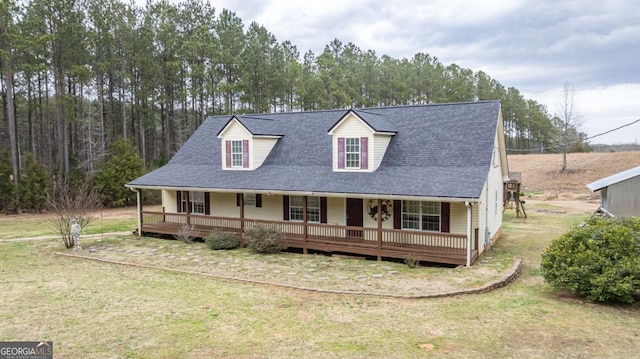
78	76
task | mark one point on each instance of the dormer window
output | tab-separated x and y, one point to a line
360	140
236	153
247	143
352	152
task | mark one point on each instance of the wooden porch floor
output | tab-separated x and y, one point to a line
351	244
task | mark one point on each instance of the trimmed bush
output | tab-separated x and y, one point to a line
265	239
599	261
219	239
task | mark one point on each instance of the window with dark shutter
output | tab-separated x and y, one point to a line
285	208
397	214
422	215
352	152
323	209
340	152
228	153
207	203
445	210
249	199
364	153
245	153
179	201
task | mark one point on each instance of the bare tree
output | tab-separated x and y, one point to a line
69	202
186	233
568	122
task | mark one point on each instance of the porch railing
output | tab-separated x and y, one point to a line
365	240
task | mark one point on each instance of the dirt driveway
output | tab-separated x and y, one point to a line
564	206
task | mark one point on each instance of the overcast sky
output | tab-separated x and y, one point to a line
532	45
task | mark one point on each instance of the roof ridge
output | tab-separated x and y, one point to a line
254	117
361	109
433	104
294	112
368	112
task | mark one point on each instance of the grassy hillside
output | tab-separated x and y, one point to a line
541	173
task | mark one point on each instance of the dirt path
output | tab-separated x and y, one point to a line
564	206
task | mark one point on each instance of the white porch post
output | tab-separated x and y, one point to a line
469	212
139	201
379	229
305	229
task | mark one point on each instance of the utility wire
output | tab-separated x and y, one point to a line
615	129
588	138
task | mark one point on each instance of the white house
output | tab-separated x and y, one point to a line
422	180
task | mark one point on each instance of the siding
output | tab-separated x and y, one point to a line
380	144
224	205
490	209
475	217
235	131
169	201
260	150
458	218
353	127
271	209
336	211
623	198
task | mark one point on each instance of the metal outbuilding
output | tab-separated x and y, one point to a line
619	193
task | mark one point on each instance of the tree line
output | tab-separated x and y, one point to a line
78	75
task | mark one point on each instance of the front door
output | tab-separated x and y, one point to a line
354	216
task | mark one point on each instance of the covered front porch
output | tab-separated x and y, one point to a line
379	242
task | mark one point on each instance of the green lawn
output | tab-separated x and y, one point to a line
99	310
27	226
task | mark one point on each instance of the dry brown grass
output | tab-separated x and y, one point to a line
287	269
541	172
99	310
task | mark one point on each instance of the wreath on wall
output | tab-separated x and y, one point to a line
386	209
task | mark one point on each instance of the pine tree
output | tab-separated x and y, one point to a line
34	184
7	187
123	164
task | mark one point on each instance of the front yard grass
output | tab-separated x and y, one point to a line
99	310
28	226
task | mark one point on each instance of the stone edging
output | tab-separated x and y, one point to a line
511	275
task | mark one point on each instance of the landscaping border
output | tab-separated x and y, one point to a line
511	275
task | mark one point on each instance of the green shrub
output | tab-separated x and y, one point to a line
219	239
265	239
411	261
599	261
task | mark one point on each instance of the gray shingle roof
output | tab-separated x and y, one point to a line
440	150
257	125
614	178
377	121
